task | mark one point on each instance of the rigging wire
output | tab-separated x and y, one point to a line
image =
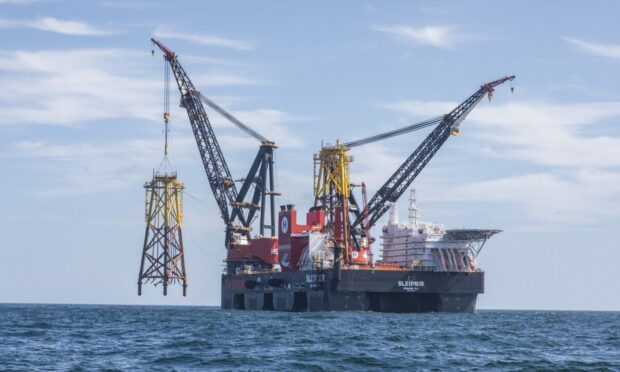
396	132
166	104
199	248
165	165
233	119
275	171
206	204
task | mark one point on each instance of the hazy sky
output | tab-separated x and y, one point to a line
81	101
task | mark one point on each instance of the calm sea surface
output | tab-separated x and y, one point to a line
73	337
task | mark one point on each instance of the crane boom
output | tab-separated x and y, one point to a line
398	183
237	213
218	174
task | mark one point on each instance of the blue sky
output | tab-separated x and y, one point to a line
80	132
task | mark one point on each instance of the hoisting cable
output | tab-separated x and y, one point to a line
233	119
396	132
165	162
166	103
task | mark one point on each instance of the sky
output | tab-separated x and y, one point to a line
81	131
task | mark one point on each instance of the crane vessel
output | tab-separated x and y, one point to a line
325	263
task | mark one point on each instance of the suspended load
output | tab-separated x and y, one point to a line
163	256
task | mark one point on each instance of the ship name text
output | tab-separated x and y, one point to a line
315	278
411	283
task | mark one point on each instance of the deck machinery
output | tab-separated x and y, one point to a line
326	262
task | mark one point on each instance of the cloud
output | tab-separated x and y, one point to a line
51	24
603	50
275	125
374	163
579	162
537	132
562	135
91	86
203	39
86	168
18	2
420	109
131	5
437	36
72	87
580	198
215	79
105	87
195	59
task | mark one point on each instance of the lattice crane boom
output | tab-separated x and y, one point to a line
218	174
398	183
237	213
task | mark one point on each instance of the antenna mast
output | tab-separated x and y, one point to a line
413	210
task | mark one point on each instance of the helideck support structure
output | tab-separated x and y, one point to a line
163	259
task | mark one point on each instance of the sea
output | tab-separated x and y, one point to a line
169	338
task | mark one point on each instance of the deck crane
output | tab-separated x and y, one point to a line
237	212
400	180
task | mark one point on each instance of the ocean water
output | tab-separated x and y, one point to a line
76	337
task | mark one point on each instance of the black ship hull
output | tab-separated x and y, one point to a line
350	290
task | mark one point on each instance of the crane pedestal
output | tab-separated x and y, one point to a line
163	259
